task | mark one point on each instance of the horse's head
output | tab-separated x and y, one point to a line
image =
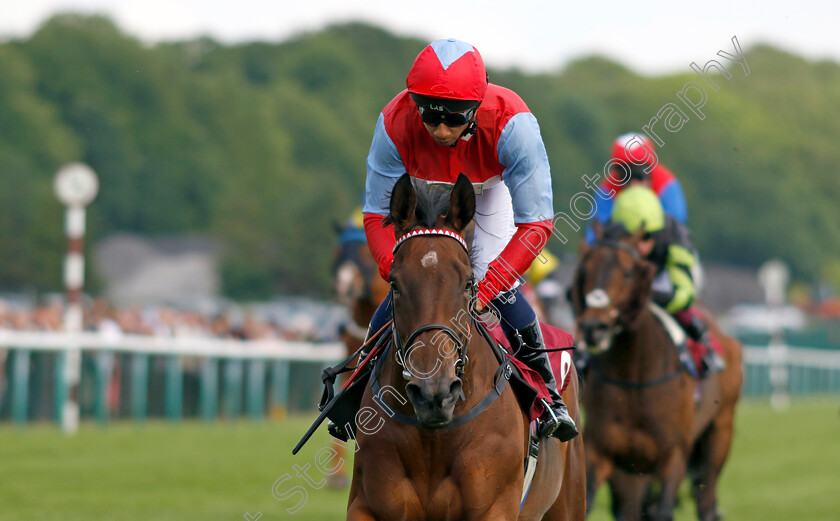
355	272
353	268
610	287
432	284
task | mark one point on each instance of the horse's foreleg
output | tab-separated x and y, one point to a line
574	485
571	502
339	480
628	493
598	469
672	473
710	453
359	511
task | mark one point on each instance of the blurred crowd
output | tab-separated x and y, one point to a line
100	316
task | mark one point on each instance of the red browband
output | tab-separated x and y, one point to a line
435	231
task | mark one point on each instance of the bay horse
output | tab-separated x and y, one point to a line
441	468
358	285
360	289
643	429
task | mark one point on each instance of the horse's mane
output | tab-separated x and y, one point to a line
432	202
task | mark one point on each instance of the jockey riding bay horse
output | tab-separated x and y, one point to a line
359	287
644	428
357	284
441	453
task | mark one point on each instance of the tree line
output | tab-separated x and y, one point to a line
263	146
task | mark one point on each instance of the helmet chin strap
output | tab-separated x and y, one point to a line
470	130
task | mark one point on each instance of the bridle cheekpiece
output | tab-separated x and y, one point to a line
400	347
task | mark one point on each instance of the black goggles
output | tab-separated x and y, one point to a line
451	119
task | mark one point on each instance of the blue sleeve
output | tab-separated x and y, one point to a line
527	174
673	202
602	213
384	168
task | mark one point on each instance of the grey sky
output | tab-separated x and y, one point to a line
648	36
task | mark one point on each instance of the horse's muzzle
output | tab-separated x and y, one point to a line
596	334
434	400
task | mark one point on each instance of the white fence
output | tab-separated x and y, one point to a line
781	371
232	377
225	376
183	346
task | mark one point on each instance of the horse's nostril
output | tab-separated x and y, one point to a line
412	389
415	395
442	395
593	330
593	326
455	388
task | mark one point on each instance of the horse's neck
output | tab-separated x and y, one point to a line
643	352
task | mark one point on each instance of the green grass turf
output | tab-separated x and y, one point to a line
783	466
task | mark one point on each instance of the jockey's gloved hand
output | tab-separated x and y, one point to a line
487	291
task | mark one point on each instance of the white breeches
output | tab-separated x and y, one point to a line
494	226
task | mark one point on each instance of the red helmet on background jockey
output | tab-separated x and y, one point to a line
447	81
634	148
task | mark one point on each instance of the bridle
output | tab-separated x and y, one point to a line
500	378
598	298
461	341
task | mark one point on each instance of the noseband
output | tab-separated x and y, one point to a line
600	299
461	344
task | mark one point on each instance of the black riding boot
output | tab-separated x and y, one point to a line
697	329
556	420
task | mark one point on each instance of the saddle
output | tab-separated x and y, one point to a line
561	343
694	354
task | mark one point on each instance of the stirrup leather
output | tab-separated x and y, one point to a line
548	426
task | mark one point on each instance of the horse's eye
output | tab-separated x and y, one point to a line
470	284
394	287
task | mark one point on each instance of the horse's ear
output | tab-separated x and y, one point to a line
644	273
461	204
403	203
583	247
575	291
598	229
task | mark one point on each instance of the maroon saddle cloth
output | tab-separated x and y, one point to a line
561	362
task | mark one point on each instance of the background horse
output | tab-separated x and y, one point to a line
359	287
433	470
357	284
642	423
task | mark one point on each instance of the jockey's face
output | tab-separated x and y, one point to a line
645	181
445	135
645	247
